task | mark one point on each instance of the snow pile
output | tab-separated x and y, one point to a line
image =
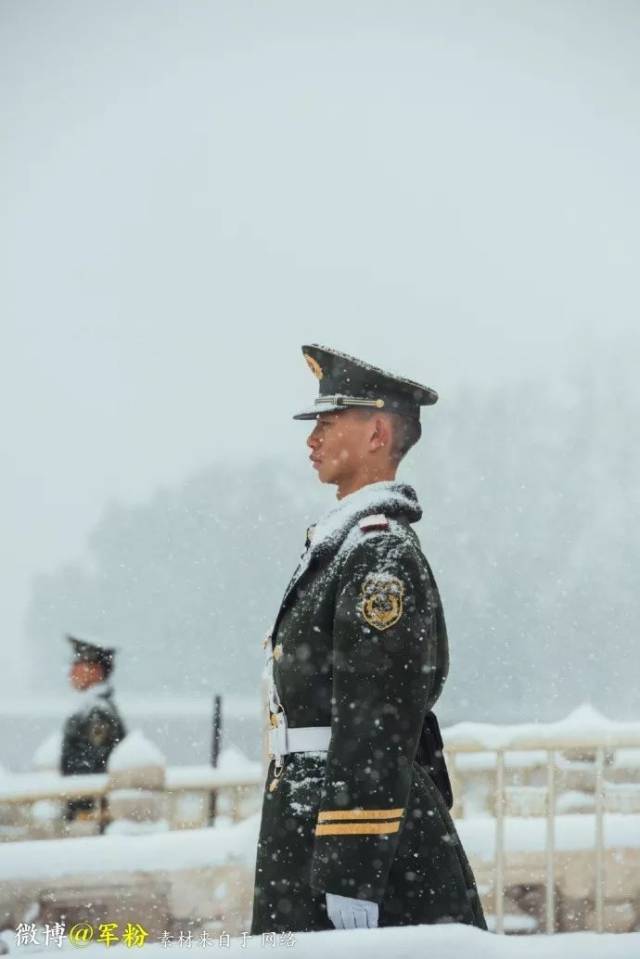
160	852
583	724
232	760
47	755
574	831
136	763
135	752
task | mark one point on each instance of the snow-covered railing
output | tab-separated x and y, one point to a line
583	764
26	788
38	801
138	788
585	731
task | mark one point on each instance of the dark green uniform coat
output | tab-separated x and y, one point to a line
89	736
360	645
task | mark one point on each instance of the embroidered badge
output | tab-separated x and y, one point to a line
314	366
98	733
381	600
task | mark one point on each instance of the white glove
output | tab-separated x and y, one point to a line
347	913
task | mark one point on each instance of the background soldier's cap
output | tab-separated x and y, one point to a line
85	651
346	381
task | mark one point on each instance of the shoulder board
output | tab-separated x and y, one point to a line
376	521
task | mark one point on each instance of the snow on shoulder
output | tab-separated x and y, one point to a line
385	497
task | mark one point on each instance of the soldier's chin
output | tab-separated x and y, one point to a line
327	473
332	478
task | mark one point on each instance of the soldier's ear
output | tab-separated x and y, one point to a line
380	432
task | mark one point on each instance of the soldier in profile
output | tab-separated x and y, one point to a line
95	728
356	829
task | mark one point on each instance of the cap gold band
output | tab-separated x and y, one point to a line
340	400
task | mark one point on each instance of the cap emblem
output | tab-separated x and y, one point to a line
314	366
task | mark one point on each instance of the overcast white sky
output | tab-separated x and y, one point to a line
190	190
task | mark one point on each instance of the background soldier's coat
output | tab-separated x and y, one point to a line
360	644
90	734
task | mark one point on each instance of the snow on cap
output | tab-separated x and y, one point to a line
345	381
88	651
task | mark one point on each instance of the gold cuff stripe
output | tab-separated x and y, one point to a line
360	814
356	828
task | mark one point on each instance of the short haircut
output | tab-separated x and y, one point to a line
405	431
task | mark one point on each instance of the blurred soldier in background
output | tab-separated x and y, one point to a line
95	728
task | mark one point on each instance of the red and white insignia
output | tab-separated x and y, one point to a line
376	521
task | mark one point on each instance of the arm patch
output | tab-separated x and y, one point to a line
381	600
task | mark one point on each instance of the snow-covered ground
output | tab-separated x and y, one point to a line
411	942
99	855
236	842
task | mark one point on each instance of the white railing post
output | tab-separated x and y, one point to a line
599	870
499	858
137	781
550	843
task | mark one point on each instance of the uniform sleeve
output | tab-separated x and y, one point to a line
69	734
384	664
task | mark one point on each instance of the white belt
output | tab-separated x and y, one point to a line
297	739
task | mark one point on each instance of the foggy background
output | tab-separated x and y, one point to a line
190	191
